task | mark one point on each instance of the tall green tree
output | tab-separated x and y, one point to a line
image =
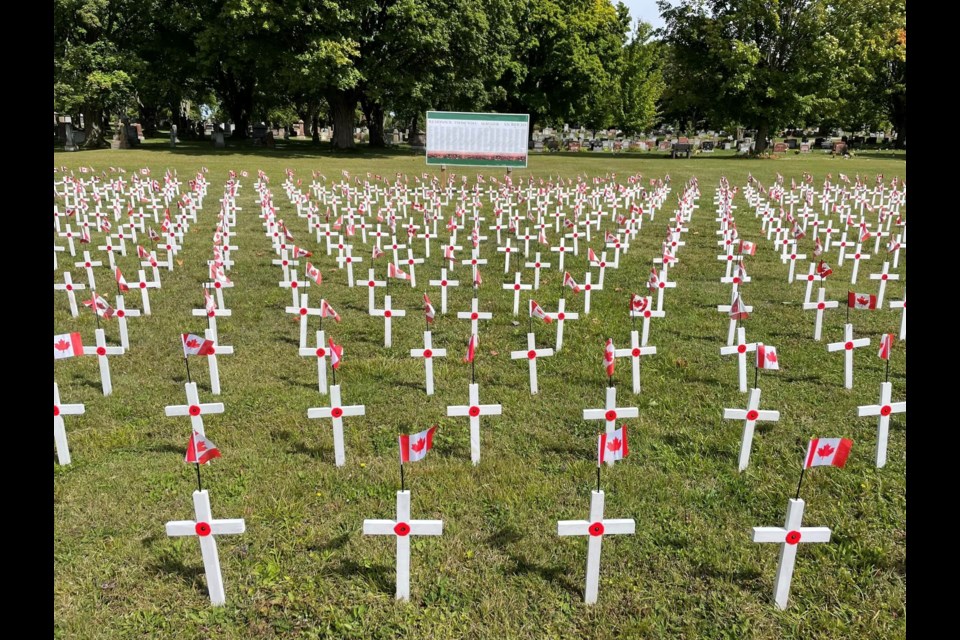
761	63
641	81
91	63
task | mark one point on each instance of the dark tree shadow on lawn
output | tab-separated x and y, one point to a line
556	575
298	383
192	575
381	575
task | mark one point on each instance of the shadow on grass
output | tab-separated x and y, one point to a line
556	575
190	575
747	579
279	337
297	383
807	378
381	575
334	543
164	448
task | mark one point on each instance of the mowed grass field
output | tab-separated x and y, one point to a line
304	570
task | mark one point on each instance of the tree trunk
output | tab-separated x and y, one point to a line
899	117
343	105
373	112
93	128
237	95
315	126
762	131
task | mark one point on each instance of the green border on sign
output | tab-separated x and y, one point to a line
479	117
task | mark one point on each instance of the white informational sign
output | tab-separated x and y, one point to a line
477	139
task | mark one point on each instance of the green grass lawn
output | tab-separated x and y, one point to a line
303	569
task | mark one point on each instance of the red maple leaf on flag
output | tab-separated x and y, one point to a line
614	444
63	345
771	356
825	451
419	445
192	343
863	300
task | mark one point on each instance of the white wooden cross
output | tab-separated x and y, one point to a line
217	350
68	234
388	312
110	249
412	266
294	285
403	527
883	411
634	353
820	305
474	315
70	287
143	284
396	248
517	287
647	313
88	265
857	257
474	261
218	288
811	277
336	412
792	256
474	410
194	408
883	276
729	257
602	264
900	244
304	311
59	430
843	248
285	263
443	283
155	266
320	352
751	415
587	289
596	527
611	413
428	353
102	351
661	285
789	536
531	353
902	304
561	316
349	259
725	308
506	250
372	284
561	250
121	314
204	527
212	317
536	266
848	345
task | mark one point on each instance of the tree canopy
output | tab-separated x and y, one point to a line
720	63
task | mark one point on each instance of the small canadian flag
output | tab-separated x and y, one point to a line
377	251
738	310
448	253
861	300
327	311
823	270
827	452
817	248
428	308
537	311
568	281
591	255
209	303
747	247
67	345
314	274
336	354
886	343
612	446
194	345
477	278
653	282
142	252
472	348
300	252
639	303
767	357
200	450
608	357
394	271
542	238
414	447
121	282
101	306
